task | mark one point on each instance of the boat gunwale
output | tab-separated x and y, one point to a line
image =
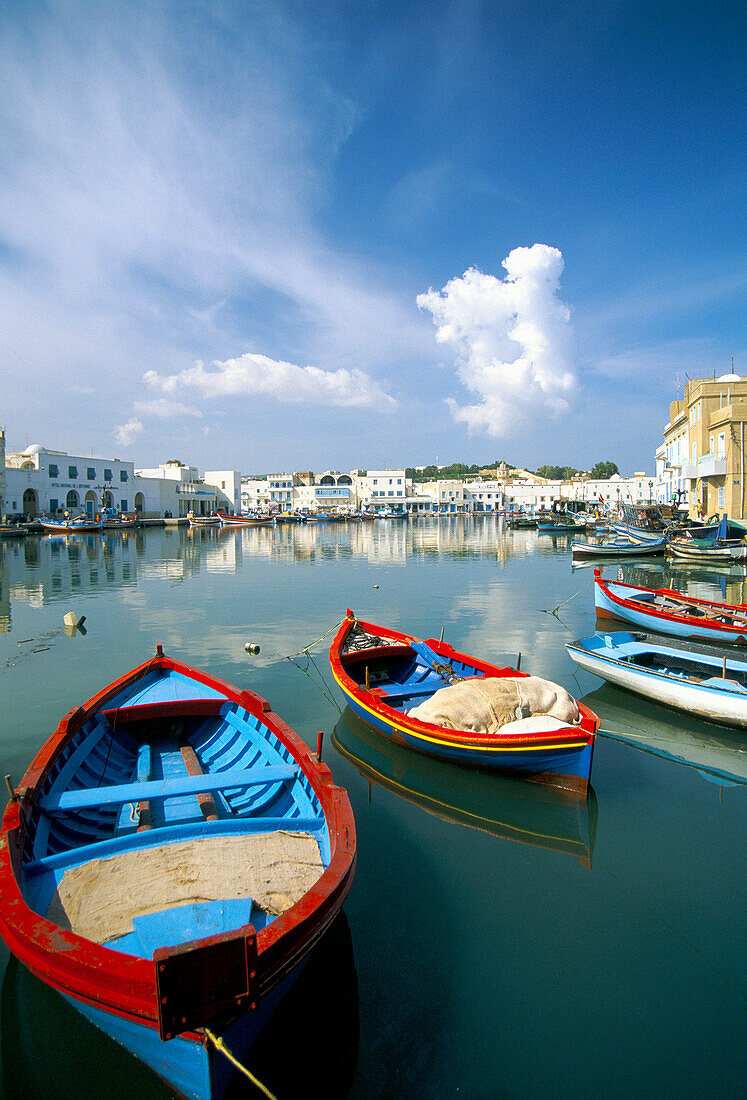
125	985
485	744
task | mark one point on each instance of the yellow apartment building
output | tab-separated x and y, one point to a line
704	447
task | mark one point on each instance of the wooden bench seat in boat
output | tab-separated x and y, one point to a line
87	797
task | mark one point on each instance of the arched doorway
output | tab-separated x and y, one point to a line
30	503
139	502
90	502
107	500
72	499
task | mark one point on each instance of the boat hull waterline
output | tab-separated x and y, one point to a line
561	757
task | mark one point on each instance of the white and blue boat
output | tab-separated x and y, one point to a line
169	861
617	548
706	683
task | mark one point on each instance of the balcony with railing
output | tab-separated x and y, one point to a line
712	465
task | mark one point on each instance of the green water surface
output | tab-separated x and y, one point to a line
502	942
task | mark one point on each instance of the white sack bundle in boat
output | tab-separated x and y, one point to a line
485	706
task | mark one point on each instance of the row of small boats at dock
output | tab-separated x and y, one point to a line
175	853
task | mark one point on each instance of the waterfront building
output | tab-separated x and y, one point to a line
255	494
227	484
40	481
334	492
484	495
280	492
379	489
179	489
704	446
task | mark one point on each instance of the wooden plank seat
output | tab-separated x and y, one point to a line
71	801
168	708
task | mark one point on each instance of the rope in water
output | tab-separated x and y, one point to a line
321	638
552	611
310	662
221	1046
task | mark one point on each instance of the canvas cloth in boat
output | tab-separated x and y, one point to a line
489	705
99	899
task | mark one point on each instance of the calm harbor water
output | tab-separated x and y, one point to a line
499	941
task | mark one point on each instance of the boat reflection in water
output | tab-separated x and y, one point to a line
545	817
50	1050
719	754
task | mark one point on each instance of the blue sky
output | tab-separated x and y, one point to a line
308	235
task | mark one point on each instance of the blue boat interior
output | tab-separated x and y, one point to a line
404	676
166	761
713	671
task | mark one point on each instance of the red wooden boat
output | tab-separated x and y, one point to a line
388	677
669	612
170	768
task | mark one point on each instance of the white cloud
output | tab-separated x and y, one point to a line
128	433
163	409
512	340
252	375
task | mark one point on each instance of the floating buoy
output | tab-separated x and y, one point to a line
376	586
252	647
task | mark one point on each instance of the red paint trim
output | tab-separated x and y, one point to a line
125	985
585	730
730	632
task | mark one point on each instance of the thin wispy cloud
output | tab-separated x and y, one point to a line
163	409
147	187
511	338
252	375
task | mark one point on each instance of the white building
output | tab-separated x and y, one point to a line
228	486
255	494
38	481
180	489
378	489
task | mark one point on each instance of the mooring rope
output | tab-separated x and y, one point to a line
322	687
321	638
221	1046
554	610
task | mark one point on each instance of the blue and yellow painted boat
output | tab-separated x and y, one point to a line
384	674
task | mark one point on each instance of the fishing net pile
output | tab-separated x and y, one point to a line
526	704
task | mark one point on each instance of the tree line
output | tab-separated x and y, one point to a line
461	470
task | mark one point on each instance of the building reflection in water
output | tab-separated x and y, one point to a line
41	570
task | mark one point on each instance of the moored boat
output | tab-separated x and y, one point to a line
82	525
560	527
670	612
716	753
203	521
227	520
112	520
168	861
431	698
718	550
616	548
12	531
708	684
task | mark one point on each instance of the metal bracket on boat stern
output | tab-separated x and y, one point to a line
207	980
